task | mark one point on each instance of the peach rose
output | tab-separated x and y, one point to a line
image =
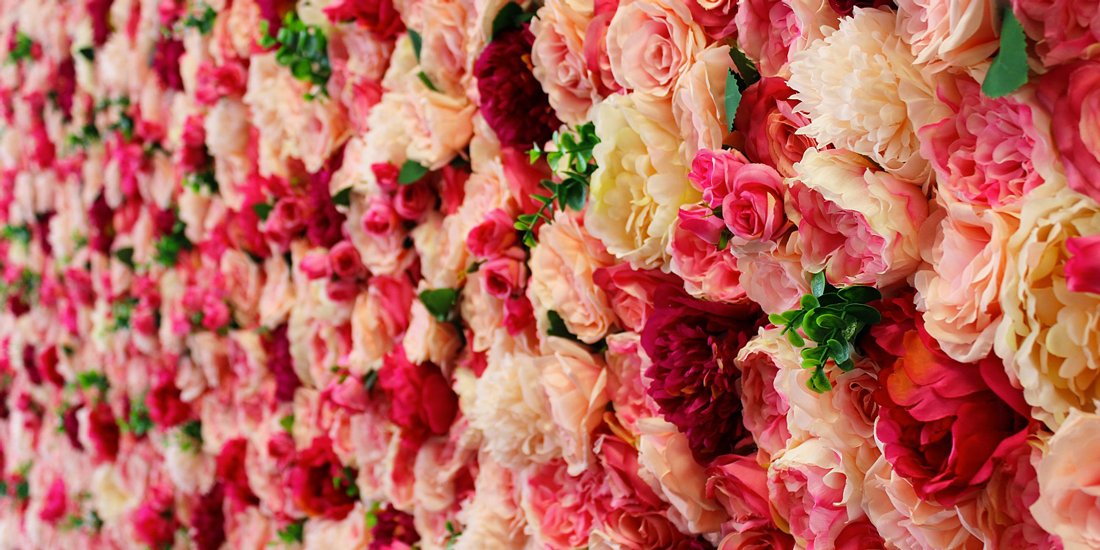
1050	334
443	55
626	361
765	408
959	285
492	517
561	278
1067	485
641	182
707	272
774	279
575	383
378	319
698	101
957	33
858	224
558	60
668	466
651	43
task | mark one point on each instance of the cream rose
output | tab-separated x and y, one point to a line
650	44
641	182
575	383
1068	482
561	278
1050	335
558	60
957	33
698	101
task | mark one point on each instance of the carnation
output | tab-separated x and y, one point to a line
863	90
512	100
692	345
640	165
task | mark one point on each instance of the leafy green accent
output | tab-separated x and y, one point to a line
23	48
121	311
287	423
510	17
346	479
370	380
126	256
439	302
370	519
88	135
17	234
833	318
571	158
733	98
139	423
124	126
303	49
199	181
92	379
1009	69
169	246
190	436
747	75
292	532
427	81
411	172
452	535
342	197
87	52
262	210
417	43
202	20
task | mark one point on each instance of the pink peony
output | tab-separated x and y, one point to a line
770	30
558	506
707	272
715	16
1071	94
421	398
632	292
1067	501
740	485
492	236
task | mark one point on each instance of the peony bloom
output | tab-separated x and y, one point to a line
511	99
769	123
1083	265
959	285
319	484
862	90
1063	30
942	424
765	408
667	462
633	292
558	60
740	485
858	224
377	16
698	101
575	383
956	33
707	272
770	31
775	279
625	384
562	268
1067	502
650	44
155	521
692	345
1050	335
559	506
763	538
812	490
715	16
989	152
909	522
641	181
1070	94
1004	512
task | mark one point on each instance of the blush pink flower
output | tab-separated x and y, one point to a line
1071	94
558	506
632	292
1063	30
1083	265
1067	499
740	485
770	30
651	43
988	151
558	59
715	16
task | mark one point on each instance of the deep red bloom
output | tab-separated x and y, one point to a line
692	344
944	424
421	398
393	526
71	422
103	431
154	521
166	62
230	472
208	519
379	16
98	12
512	100
319	484
213	82
166	408
280	364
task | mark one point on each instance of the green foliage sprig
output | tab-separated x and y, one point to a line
292	532
571	159
190	436
139	422
17	234
833	318
23	48
201	19
440	302
303	49
736	82
169	246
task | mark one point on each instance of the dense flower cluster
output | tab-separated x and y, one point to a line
606	274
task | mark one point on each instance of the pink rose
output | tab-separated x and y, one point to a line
740	485
345	262
596	58
701	221
411	202
665	456
625	386
989	151
770	30
288	218
765	409
559	62
558	506
775	279
809	486
764	538
492	236
754	208
562	269
575	383
1063	30
707	272
379	218
1071	94
315	265
1083	266
1067	482
55	503
711	172
632	291
651	43
503	276
767	120
715	16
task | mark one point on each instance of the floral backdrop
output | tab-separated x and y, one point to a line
478	274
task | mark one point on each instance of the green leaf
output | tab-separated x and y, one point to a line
557	326
427	81
817	284
262	210
411	172
417	43
818	382
439	302
724	239
746	69
342	197
576	196
292	532
777	319
506	19
859	294
796	339
370	380
534	154
1009	69
809	301
287	423
865	313
87	52
126	256
733	98
840	351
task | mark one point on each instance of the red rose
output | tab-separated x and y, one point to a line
319	484
55	503
767	119
421	398
155	520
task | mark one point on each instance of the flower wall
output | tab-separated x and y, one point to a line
476	274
